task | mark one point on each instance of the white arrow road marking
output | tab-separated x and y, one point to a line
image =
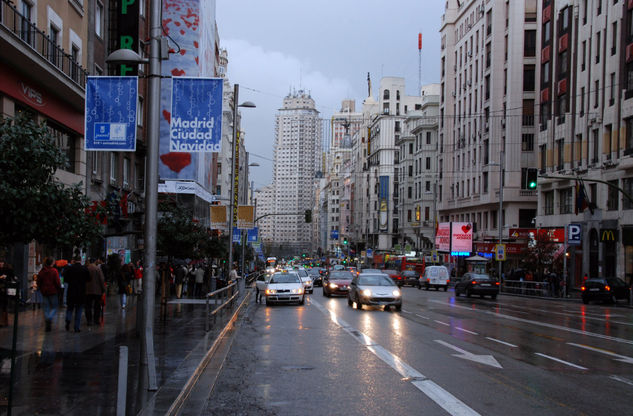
482	359
560	361
622	358
443	398
622	380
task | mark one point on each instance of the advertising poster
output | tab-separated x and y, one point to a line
443	237
218	217
462	237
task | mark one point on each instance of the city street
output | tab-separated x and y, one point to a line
441	354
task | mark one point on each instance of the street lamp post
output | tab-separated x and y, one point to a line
151	183
501	160
245	235
247	104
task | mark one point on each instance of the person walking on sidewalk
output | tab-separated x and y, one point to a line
50	286
198	281
95	288
76	277
138	278
125	277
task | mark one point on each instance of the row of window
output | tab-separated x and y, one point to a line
565	202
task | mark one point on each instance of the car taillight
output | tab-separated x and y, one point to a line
582	288
497	283
607	288
428	279
474	282
448	281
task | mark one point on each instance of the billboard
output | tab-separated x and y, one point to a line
218	217
462	237
443	236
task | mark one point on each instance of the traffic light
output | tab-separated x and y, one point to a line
345	240
308	216
532	175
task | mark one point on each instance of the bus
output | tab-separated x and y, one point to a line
402	263
271	263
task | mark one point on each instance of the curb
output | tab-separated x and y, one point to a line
176	406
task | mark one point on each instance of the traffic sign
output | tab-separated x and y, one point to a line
500	252
574	234
334	234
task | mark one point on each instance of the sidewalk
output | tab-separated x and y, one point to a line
69	373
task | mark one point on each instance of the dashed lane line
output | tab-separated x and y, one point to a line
549	357
441	397
502	342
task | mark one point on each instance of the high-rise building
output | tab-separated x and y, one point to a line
297	157
487	128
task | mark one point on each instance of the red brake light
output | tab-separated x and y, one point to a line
582	288
497	283
607	288
428	279
474	282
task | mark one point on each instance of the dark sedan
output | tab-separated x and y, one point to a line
395	276
477	284
607	290
315	274
337	282
410	277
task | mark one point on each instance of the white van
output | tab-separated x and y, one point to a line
434	276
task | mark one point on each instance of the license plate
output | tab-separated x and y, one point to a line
11	291
485	284
594	289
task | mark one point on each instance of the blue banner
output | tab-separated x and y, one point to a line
196	115
111	113
237	235
253	234
383	190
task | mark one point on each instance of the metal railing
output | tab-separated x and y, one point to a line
225	297
41	43
526	287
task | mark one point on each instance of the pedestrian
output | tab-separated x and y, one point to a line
233	276
180	275
76	277
124	278
198	280
138	278
35	297
50	286
95	288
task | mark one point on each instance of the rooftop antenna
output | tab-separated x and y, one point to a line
419	63
368	85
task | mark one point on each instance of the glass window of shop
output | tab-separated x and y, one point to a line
66	142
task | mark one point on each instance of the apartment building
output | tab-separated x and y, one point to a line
487	124
585	119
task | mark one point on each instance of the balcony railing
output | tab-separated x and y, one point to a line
42	44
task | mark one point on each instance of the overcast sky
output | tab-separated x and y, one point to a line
326	47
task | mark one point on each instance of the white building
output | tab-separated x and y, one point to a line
488	60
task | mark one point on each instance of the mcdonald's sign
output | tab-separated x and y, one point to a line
608	235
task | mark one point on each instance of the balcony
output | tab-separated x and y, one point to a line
32	52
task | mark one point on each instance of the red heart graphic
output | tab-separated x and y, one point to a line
176	161
466	228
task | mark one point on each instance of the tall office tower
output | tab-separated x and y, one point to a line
487	128
297	154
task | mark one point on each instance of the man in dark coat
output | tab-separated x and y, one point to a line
76	276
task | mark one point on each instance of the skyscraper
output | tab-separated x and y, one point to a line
296	161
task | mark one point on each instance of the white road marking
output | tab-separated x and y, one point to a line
404	311
465	330
443	323
622	358
502	342
622	380
528	321
443	398
420	316
482	359
560	361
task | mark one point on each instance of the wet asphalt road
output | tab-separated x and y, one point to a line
440	355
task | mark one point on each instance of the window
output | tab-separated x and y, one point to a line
427	186
596	94
428	163
599	8
53	34
428	137
408	215
410	148
527	142
99	20
66	142
612	196
627	186
140	112
485	182
113	167
548	203
543	153
629	136
598	43
25	32
385	95
545	73
528	77
410	170
560	149
95	162
126	172
529	43
584	55
612	90
614	37
596	143
566	198
528	113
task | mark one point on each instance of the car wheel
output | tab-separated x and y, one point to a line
585	301
398	308
468	294
614	300
426	287
386	308
445	288
419	286
303	300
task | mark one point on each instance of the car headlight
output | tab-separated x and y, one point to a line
366	292
270	291
333	285
298	291
396	293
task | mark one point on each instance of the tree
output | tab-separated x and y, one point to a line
34	205
539	255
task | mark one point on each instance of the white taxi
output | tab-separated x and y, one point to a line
285	287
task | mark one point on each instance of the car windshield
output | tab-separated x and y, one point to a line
301	272
479	276
313	272
285	278
374	280
341	276
389	271
440	272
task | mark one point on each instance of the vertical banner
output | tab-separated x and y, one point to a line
196	115
237	235
126	32
218	217
462	237
253	235
443	237
383	209
110	113
236	177
245	217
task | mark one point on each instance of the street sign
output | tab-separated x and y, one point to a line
334	234
110	113
369	252
434	256
574	234
253	234
237	235
500	252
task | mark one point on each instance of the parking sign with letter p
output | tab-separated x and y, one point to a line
574	234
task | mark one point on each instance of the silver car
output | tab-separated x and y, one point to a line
376	289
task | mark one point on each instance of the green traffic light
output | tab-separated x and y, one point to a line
532	185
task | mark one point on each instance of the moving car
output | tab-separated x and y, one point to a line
315	274
285	287
410	277
477	284
306	279
337	282
609	289
374	289
435	276
395	276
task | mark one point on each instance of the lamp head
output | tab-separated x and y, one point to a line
125	56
